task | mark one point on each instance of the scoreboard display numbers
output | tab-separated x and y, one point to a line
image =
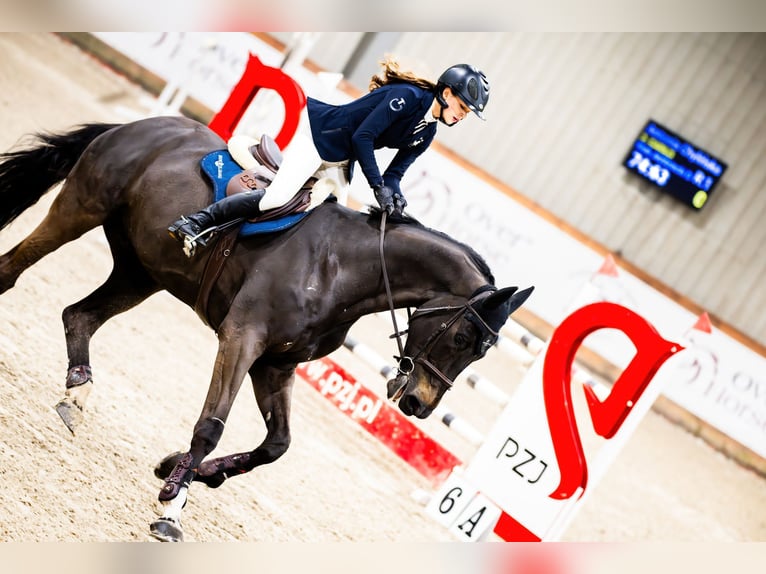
674	165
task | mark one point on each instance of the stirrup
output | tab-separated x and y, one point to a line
191	242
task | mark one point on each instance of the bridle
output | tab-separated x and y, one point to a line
405	364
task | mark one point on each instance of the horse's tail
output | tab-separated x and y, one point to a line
26	175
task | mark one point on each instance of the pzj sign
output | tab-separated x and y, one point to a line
532	464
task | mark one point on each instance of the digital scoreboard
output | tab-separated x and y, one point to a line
674	165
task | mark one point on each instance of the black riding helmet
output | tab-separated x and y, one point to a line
467	83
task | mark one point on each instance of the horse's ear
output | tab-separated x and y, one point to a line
508	296
518	299
498	306
498	297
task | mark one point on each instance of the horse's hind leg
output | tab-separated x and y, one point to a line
128	285
67	219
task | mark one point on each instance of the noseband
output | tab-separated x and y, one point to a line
489	335
405	364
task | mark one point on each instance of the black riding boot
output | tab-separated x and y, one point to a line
198	228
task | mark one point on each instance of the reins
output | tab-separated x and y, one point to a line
397	334
405	365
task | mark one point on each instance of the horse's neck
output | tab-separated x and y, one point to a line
421	265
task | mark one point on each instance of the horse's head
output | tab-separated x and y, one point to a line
445	335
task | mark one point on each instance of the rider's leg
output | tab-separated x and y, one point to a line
332	179
237	206
300	161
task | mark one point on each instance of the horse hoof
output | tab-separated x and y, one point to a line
70	413
166	530
167	464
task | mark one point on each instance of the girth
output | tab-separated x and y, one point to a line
219	254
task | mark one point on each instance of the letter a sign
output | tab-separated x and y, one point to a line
532	464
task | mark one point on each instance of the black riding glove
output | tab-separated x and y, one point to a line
399	203
390	200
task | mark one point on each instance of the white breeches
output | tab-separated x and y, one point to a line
300	161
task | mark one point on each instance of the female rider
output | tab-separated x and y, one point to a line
400	111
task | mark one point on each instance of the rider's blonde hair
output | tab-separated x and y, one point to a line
391	74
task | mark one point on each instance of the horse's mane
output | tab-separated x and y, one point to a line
478	260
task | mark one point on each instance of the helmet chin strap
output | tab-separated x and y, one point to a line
443	105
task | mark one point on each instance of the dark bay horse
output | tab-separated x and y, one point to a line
280	300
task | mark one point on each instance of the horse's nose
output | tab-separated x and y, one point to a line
395	387
410	405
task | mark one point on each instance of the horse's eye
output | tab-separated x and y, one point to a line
461	340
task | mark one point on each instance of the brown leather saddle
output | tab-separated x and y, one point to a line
269	158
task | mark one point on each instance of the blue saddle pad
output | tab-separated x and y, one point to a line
220	167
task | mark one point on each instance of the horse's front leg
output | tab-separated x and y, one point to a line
273	391
236	351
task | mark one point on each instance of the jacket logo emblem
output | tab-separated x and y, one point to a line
396	104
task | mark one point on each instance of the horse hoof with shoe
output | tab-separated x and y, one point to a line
166	530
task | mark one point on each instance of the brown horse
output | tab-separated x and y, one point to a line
281	299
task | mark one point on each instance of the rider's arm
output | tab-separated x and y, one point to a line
390	109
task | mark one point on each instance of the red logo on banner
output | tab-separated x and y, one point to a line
256	76
607	415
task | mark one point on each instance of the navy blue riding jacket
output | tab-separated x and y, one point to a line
389	116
